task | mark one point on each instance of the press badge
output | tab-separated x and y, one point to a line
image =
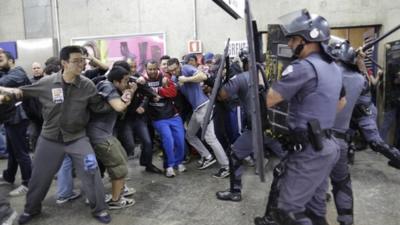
58	95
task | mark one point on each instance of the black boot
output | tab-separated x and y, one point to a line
394	164
229	195
153	169
265	220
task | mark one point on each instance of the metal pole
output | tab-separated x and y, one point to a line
194	20
56	23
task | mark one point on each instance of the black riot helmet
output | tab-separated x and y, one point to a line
244	58
340	49
311	27
244	54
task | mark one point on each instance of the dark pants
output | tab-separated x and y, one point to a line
241	149
127	131
17	146
48	159
341	184
305	181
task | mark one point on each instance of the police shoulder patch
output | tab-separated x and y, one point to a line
288	70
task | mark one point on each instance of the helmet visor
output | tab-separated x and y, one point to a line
294	22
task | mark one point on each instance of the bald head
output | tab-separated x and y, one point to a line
37	70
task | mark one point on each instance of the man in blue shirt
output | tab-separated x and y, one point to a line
189	79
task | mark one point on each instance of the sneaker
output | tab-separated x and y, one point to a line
62	200
121	203
10	219
207	163
128	191
264	220
2	180
26	217
21	190
222	173
103	217
200	161
153	169
170	172
228	195
249	161
181	168
107	198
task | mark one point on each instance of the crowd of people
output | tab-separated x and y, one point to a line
86	120
84	117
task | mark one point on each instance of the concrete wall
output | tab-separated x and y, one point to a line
11	20
80	18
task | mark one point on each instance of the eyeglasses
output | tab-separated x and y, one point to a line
78	61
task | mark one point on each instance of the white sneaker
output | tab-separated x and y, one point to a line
107	199
181	168
128	191
170	172
21	190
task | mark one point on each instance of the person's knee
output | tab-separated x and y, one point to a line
118	172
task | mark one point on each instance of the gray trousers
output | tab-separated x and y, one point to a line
48	159
5	209
305	182
341	183
195	123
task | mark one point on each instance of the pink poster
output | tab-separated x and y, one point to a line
139	48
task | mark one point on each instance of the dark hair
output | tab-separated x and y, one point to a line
53	61
189	57
92	45
123	64
165	57
117	73
52	65
67	50
151	62
173	61
9	56
84	51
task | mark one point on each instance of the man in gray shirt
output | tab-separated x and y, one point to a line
67	99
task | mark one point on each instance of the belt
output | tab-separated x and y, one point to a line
327	133
344	136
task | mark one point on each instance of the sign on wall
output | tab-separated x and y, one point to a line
235	47
195	46
134	47
10	46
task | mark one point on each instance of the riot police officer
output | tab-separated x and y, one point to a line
355	84
364	119
312	86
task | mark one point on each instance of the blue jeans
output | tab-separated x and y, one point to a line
3	149
173	139
65	181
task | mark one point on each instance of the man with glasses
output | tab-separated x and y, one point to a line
67	99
